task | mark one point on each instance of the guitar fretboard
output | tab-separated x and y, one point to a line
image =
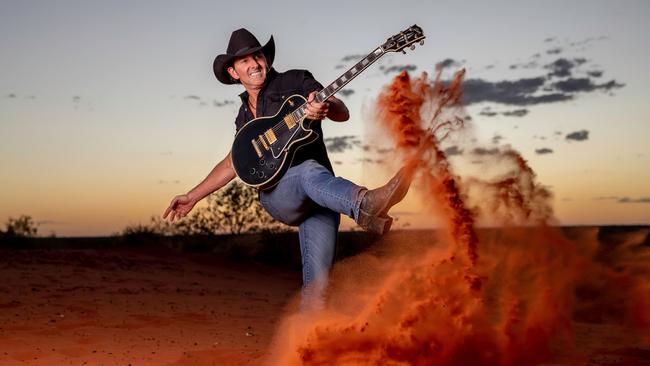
343	80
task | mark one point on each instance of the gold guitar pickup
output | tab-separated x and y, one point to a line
290	121
266	147
270	135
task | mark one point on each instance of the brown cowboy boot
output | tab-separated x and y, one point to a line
373	212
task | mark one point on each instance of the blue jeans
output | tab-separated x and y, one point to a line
310	197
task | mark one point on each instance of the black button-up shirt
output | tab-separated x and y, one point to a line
278	87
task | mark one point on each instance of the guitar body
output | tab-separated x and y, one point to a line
264	147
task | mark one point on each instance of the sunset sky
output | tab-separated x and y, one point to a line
110	108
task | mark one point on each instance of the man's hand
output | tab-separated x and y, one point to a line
333	108
180	206
316	110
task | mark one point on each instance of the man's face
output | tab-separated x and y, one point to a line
250	70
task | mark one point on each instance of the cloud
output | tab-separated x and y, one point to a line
580	60
623	199
604	198
12	96
52	222
516	112
448	62
634	200
578	135
549	39
453	150
496	139
348	58
76	99
536	90
554	51
483	151
520	92
574	85
397	68
595	73
169	181
543	151
586	41
215	103
561	67
224	103
488	112
370	161
526	65
346	92
384	150
339	144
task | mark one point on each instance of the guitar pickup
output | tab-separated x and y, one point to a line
290	121
270	135
266	146
257	148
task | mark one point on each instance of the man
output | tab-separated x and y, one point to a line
308	195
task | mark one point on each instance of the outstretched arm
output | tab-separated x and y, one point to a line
220	175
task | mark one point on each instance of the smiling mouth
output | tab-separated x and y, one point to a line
255	74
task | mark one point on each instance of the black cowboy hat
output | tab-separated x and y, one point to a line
242	43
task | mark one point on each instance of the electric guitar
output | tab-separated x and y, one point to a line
264	147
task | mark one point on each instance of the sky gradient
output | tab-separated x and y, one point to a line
109	109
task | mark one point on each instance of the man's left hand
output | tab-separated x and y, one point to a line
316	110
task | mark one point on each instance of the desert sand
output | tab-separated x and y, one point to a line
136	307
153	305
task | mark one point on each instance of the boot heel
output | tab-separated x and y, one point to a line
380	225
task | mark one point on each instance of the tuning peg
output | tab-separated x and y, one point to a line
404	52
421	43
412	47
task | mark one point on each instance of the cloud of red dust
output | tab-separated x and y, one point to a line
464	295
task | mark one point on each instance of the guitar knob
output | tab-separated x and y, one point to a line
252	171
260	174
262	162
271	165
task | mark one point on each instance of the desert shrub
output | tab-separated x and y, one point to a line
22	227
234	209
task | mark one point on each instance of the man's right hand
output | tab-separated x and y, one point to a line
180	206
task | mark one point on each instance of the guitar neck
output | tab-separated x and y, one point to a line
344	79
347	76
395	43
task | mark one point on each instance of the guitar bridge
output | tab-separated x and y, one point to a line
257	148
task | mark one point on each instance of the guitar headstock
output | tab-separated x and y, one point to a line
403	39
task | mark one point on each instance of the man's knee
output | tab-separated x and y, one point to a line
310	164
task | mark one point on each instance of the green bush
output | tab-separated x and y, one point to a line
234	209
